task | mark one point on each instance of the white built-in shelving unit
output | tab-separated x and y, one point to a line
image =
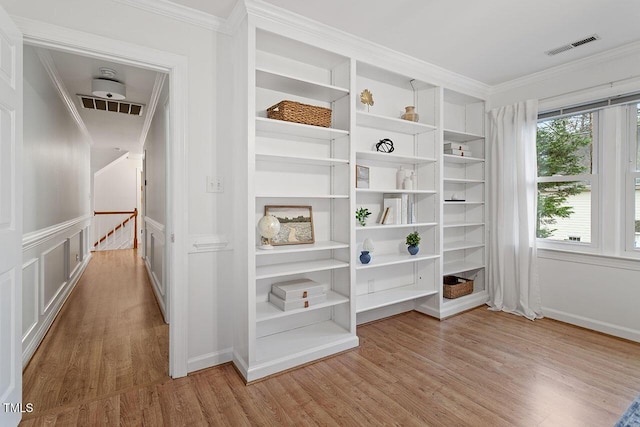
393	276
292	164
464	230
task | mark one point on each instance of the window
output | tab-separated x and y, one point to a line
589	178
633	180
566	178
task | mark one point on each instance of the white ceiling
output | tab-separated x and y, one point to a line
490	41
107	129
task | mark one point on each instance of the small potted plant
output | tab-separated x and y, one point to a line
361	215
413	240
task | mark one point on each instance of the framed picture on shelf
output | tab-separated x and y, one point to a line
296	224
362	176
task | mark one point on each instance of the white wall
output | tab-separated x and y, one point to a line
56	158
56	204
597	292
129	24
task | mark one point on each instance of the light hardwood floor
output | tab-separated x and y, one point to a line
478	369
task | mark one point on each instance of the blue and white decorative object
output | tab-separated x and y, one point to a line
367	246
268	227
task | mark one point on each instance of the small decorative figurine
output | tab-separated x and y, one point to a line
385	146
366	98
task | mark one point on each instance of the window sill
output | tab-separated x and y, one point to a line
627	263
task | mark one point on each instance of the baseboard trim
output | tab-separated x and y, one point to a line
596	325
32	346
208	360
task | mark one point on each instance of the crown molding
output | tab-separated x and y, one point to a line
178	12
151	107
233	21
361	49
47	62
541	76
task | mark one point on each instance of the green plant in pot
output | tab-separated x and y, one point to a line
361	215
413	240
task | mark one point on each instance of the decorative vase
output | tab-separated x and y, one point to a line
365	257
410	114
413	249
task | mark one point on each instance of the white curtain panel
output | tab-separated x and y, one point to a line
513	270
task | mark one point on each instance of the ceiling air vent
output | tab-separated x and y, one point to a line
569	46
94	103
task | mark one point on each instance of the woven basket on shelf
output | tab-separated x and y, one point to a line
455	287
292	111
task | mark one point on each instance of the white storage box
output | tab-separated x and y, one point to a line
456	146
297	289
459	153
292	304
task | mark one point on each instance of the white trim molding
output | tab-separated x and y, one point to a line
35	238
178	12
210	359
153	223
47	62
199	243
596	325
151	108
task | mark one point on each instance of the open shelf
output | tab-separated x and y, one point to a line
394	259
462	203
267	311
394	191
452	158
463	224
301	160
464	181
266	125
287	344
292	249
392	158
388	297
299	267
460	267
455	136
295	86
390	226
392	124
302	196
456	246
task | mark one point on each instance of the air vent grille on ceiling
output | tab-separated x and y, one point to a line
569	46
93	103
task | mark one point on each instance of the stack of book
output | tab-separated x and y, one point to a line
457	149
294	294
397	209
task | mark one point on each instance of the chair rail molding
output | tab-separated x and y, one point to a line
38	237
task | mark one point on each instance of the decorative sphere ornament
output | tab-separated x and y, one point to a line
268	227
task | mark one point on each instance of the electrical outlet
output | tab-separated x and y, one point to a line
371	285
215	184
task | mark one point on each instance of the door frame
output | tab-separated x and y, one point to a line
54	37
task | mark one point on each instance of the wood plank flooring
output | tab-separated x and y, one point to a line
108	337
480	368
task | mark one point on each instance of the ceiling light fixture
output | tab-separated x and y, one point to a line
107	86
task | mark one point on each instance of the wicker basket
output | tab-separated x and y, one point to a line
291	111
455	287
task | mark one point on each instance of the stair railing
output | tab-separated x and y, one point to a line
133	215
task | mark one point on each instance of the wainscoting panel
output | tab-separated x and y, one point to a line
54	273
30	311
154	260
57	256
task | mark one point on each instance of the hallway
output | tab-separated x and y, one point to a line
108	337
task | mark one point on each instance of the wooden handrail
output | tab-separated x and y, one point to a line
134	216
